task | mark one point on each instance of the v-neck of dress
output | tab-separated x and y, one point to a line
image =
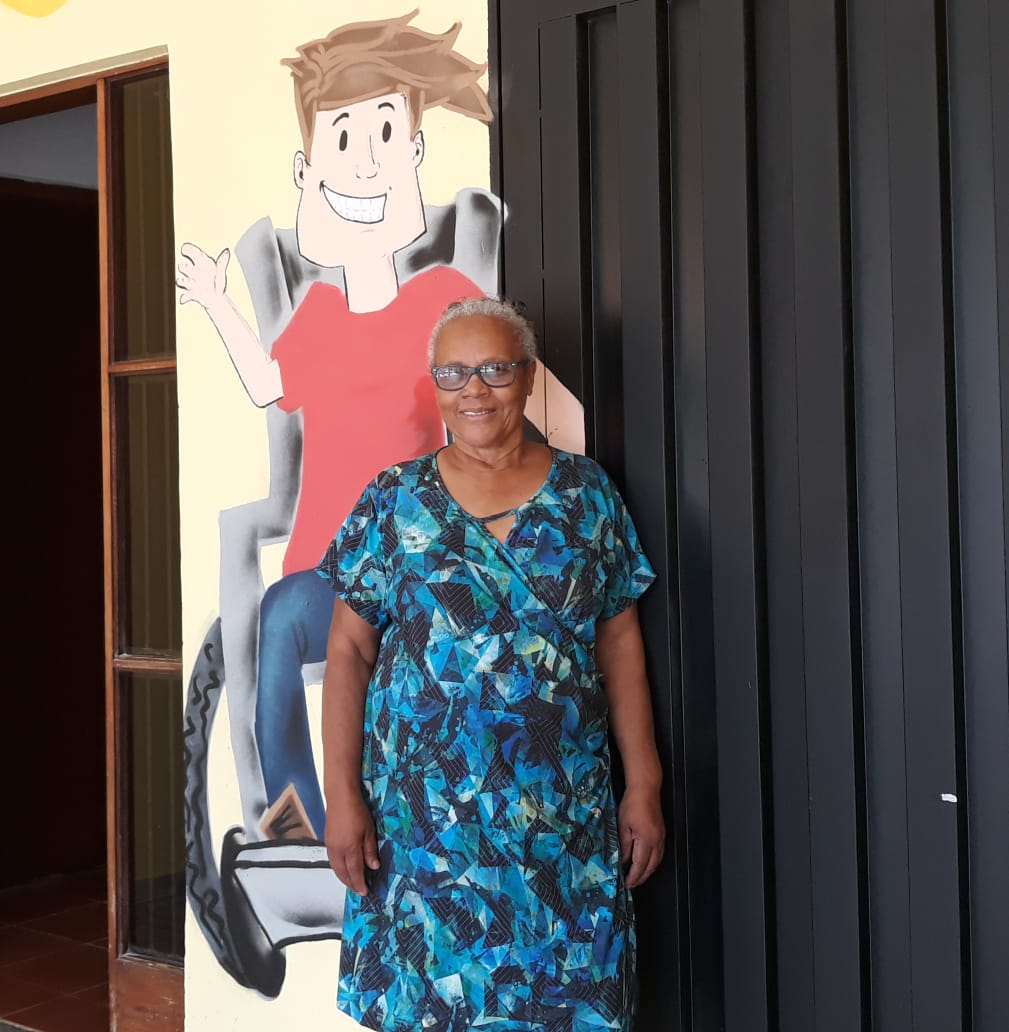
481	522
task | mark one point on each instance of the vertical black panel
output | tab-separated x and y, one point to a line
647	465
998	14
904	513
804	322
734	510
982	493
993	1006
919	348
564	195
605	399
519	171
700	846
821	343
994	770
882	661
786	645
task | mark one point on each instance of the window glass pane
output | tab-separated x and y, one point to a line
155	782
143	247
150	599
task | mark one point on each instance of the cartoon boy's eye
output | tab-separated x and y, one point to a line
343	139
386	132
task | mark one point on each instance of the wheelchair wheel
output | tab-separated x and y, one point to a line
203	879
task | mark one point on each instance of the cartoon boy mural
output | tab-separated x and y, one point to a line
354	363
351	361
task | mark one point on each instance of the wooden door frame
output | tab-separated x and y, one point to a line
143	994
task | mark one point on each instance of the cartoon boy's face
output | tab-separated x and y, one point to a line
360	197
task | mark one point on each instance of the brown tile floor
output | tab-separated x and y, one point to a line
53	958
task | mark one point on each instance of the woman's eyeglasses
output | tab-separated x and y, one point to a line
494	374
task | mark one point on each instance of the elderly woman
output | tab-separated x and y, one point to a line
484	640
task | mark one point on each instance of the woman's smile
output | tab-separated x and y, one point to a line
478	415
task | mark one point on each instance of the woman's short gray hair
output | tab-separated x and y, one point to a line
493	307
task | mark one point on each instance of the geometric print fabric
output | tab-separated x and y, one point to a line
499	903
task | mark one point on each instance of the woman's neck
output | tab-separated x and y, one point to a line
477	462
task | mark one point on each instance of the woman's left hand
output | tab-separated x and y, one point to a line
642	833
621	657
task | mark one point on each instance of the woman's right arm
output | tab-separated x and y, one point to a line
350	830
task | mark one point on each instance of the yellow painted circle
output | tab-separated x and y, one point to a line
36	8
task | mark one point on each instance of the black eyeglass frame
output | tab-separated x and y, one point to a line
479	370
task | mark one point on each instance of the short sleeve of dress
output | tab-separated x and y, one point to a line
628	571
354	563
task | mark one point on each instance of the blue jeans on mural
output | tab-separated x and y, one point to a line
293	628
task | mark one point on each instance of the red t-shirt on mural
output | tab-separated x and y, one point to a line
367	397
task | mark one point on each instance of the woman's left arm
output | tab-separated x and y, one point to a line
620	654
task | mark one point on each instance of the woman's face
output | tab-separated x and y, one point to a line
478	415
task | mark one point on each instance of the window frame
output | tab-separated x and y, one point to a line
141	987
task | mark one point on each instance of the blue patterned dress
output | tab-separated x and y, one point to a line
500	901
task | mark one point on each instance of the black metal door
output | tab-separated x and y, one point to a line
768	245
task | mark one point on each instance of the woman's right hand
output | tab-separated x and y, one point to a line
351	841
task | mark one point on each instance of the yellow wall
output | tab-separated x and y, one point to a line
234	134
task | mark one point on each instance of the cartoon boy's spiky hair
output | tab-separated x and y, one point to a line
369	59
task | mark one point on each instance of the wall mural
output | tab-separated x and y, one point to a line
344	303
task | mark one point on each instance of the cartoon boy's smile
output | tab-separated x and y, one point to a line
355	209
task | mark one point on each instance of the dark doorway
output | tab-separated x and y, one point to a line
53	903
52	423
